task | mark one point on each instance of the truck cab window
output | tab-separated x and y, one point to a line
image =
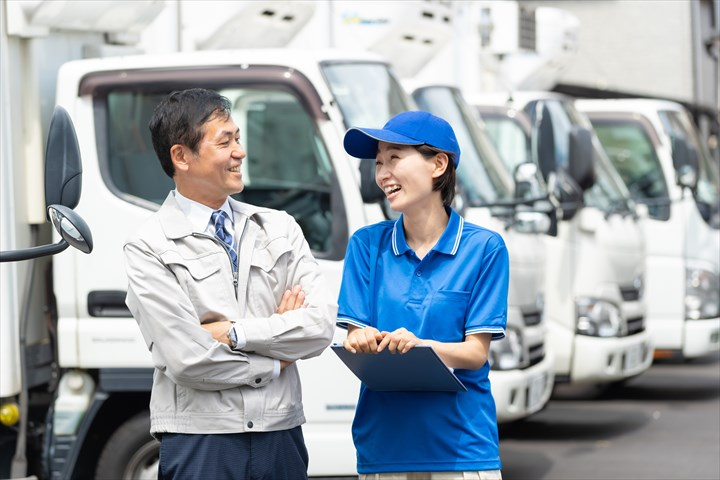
633	155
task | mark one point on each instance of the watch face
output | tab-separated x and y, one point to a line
232	337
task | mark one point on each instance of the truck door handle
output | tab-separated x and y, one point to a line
107	303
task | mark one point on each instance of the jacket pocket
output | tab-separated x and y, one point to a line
203	279
199	268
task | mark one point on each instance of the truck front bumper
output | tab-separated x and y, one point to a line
603	360
701	337
520	393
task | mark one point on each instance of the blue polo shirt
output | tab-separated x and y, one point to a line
458	288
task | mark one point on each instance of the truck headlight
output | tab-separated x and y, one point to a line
639	284
702	294
598	318
506	354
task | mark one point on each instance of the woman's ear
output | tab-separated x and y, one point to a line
440	161
179	155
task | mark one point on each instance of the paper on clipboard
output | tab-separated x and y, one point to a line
420	369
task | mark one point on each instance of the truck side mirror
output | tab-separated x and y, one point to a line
580	157
63	174
567	193
63	166
71	227
531	222
685	161
527	181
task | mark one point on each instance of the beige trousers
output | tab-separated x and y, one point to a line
482	475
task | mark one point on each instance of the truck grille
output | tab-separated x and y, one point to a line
535	354
630	293
635	325
532	318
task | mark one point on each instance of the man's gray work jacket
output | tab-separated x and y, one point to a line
176	275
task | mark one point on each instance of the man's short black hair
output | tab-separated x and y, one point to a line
179	119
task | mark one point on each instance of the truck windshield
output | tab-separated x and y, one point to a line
367	93
608	193
480	173
632	153
707	192
509	136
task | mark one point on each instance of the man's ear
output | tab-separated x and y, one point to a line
180	157
440	161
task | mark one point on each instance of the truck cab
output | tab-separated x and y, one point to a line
292	109
521	367
595	247
656	149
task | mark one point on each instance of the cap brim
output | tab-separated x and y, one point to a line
363	142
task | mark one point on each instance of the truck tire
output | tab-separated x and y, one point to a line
131	453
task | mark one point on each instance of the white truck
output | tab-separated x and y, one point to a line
594	285
655	147
291	108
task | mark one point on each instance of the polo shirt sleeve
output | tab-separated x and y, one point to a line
354	300
487	311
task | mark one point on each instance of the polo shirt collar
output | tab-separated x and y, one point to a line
448	243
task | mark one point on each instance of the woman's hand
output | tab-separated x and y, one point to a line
362	340
400	340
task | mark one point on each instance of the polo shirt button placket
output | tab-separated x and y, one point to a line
419	273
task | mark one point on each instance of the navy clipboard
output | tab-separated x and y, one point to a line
418	370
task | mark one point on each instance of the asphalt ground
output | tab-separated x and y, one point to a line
661	425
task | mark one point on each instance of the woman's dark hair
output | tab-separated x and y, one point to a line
179	119
446	182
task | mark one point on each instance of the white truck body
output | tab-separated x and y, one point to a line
595	259
683	225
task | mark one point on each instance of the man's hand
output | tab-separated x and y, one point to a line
291	300
218	325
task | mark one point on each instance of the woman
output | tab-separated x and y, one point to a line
427	278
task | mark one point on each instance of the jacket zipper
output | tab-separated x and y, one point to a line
227	251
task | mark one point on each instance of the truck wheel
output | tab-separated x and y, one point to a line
131	453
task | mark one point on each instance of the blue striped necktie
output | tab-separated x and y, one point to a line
218	218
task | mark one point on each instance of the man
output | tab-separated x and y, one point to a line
227	296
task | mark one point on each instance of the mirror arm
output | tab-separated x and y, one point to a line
33	252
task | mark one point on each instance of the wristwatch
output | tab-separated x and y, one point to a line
232	336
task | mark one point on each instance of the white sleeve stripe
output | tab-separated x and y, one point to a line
344	321
485	330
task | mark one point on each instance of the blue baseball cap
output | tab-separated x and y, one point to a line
407	128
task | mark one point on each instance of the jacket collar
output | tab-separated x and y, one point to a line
176	225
